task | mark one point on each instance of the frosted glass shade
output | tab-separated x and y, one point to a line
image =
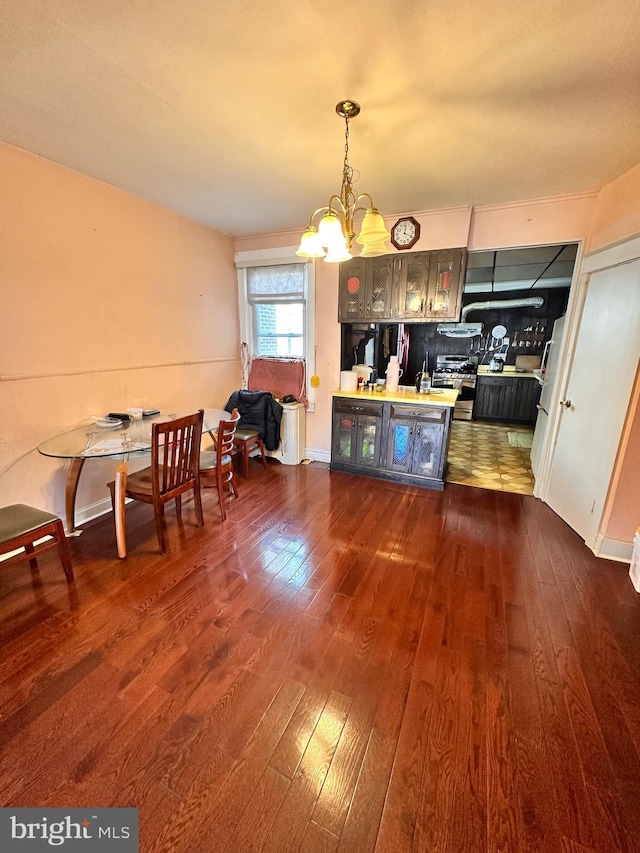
330	230
310	246
373	249
373	229
338	252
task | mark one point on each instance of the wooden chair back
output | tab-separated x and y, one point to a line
175	456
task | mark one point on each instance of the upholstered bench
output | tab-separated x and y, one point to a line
246	441
22	525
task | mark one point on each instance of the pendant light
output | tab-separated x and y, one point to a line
334	232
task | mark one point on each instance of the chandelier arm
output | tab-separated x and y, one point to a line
364	195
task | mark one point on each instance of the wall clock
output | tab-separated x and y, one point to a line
405	233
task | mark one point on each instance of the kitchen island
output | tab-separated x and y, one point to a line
401	436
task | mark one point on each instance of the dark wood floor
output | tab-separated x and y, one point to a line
345	664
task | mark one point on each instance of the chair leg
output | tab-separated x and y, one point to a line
232	486
245	460
63	551
179	507
197	497
262	454
220	486
158	512
33	562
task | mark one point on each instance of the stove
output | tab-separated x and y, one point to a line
456	365
457	371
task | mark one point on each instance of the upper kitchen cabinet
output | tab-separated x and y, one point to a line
403	287
447	269
412	281
365	289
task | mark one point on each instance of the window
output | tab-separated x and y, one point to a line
276	295
277	302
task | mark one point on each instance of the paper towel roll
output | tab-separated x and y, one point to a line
348	380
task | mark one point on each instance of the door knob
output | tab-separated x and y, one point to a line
566	403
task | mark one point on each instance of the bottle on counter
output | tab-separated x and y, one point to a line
393	374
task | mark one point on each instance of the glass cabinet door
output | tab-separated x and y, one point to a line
426	450
399	447
352	290
445	285
368	447
344	444
378	302
413	272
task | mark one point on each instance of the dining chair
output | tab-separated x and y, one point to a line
21	526
245	442
174	470
218	464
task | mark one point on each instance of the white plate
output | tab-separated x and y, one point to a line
107	423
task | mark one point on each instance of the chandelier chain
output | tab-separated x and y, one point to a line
347	171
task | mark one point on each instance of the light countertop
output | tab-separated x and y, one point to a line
508	371
405	394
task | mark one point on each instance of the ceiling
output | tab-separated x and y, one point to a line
225	112
531	268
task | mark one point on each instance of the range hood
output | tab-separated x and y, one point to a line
459	330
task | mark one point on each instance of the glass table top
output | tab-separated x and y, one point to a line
90	440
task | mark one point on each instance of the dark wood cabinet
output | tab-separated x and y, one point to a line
356	434
526	396
401	442
506	398
403	287
414	440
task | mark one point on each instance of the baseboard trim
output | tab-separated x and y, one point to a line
613	549
317	455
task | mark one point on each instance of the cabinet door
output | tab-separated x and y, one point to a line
378	288
368	441
412	273
447	270
399	445
427	443
494	398
351	305
525	399
343	447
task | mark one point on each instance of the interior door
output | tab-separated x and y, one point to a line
597	398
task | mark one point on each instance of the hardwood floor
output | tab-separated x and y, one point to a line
343	665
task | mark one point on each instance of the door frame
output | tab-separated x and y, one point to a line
616	254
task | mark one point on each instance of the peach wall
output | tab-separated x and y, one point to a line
617	211
108	301
532	223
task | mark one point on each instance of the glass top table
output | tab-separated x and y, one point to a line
90	441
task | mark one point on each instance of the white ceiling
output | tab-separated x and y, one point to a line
225	111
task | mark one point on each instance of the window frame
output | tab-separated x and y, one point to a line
279	257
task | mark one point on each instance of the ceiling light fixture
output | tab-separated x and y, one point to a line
334	232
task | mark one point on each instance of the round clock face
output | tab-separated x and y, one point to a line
405	233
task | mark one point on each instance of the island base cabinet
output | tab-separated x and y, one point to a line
401	443
357	434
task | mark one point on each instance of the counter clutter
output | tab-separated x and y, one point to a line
393	435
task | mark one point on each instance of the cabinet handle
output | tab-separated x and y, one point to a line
421	306
430	305
566	403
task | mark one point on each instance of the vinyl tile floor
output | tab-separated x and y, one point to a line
480	454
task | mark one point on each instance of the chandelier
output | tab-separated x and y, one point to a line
335	231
